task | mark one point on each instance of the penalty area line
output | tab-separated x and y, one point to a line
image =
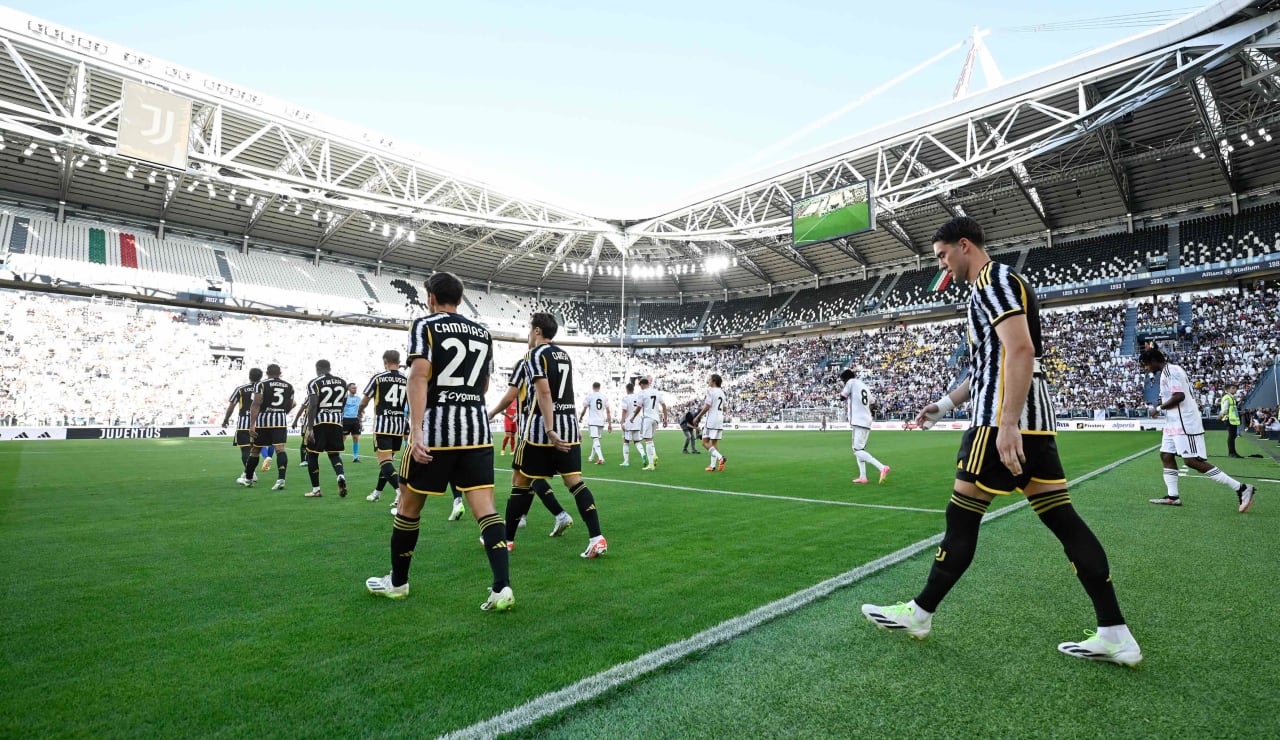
601	683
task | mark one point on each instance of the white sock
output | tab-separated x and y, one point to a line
715	454
920	612
1216	475
652	452
595	449
1116	633
1171	482
626	452
864	456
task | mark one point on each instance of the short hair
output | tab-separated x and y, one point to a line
546	323
631	387
273	370
644	381
1150	356
255	374
716	380
390	356
847	375
960	227
446	287
595	386
352	385
322	366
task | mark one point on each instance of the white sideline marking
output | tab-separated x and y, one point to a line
591	687
761	495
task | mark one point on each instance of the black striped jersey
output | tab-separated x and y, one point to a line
331	393
552	363
997	294
277	399
460	353
243	396
389	391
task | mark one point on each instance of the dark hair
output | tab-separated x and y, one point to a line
273	370
644	381
631	387
546	323
847	375
1151	355
595	386
716	380
255	374
446	287
322	366
390	356
960	227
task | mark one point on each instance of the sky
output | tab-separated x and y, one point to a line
608	108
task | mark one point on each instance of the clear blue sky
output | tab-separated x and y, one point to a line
598	105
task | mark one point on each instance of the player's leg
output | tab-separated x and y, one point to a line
493	535
1169	470
282	463
250	466
715	447
586	502
266	453
1244	492
520	500
355	447
404	540
708	444
860	435
313	461
626	449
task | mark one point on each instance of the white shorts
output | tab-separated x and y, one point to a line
860	435
713	434
630	434
647	427
595	431
1184	445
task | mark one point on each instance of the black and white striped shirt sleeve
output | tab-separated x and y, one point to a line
1004	295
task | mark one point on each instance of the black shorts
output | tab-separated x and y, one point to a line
978	462
387	442
465	469
328	438
351	426
270	436
536	461
241	438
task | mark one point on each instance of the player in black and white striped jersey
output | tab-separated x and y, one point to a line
388	391
269	423
449	440
242	396
326	396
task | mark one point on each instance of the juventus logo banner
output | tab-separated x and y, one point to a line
154	126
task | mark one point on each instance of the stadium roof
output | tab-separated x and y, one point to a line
1169	120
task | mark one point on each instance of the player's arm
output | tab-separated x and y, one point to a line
1175	399
663	404
706	406
507	398
298	416
1019	361
419	377
583	415
313	410
254	408
370	390
542	391
929	415
230	407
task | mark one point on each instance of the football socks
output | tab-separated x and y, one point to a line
492	531
1088	559
959	543
547	497
517	506
282	462
404	538
586	507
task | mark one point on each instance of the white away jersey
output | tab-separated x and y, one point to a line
1185	417
649	399
858	398
714	403
595	403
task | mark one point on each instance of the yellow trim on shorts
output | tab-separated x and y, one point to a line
472	488
1042	480
421	492
997	492
461	447
1043	432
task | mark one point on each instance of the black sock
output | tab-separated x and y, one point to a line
547	497
385	471
586	507
517	506
250	466
959	543
495	546
244	457
313	468
1088	559
282	462
404	538
336	461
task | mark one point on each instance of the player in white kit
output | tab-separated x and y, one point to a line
650	401
631	427
1184	432
858	398
596	410
713	406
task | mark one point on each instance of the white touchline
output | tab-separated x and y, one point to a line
762	495
591	687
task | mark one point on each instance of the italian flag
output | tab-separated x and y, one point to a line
940	281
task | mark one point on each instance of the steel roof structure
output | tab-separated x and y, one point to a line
1171	119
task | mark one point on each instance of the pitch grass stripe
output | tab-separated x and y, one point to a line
595	686
766	495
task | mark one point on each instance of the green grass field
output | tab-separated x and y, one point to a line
821	227
146	595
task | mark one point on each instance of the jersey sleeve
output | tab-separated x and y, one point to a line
537	368
1177	381
1002	294
419	342
846	391
371	388
235	395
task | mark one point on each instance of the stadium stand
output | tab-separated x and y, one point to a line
669	319
1096	258
1225	238
837	301
743	314
912	289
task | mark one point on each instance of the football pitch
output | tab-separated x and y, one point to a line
820	227
147	595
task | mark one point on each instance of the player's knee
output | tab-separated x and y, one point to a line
540	486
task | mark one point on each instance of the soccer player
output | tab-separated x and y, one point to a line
519	389
449	438
388	390
649	400
268	424
631	428
550	442
351	416
713	410
509	428
299	418
1010	447
858	398
1184	432
596	410
326	395
242	396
